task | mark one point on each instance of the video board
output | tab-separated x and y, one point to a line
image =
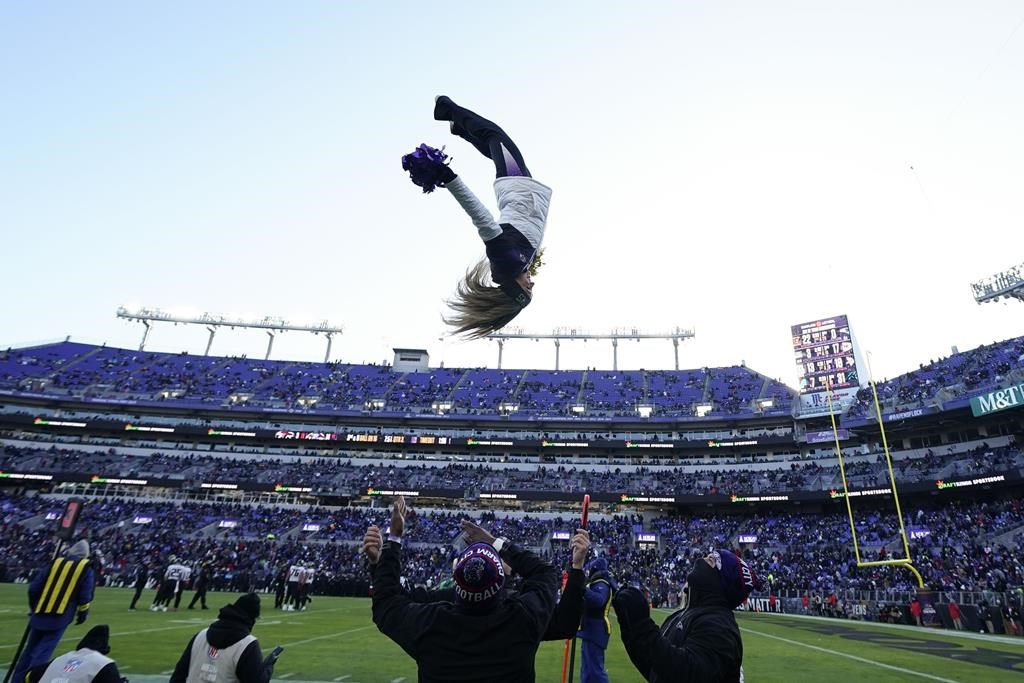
824	352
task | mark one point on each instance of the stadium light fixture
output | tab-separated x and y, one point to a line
560	334
270	324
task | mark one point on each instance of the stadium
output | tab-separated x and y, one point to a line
732	389
248	467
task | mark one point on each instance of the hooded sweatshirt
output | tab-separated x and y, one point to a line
700	642
232	625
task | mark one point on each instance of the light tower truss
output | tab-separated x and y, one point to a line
1008	283
560	334
271	325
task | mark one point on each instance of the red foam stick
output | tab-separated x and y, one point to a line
586	509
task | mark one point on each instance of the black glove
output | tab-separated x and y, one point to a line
271	659
82	616
631	607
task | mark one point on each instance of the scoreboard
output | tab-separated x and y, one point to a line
824	352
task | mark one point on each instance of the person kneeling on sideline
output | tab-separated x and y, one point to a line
87	663
701	641
484	635
227	652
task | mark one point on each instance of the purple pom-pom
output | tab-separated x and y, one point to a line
427	168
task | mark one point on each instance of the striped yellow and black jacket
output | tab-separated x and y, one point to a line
57	594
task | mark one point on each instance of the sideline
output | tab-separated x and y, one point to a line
849	656
774	617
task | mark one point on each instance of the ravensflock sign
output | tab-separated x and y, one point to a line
1000	399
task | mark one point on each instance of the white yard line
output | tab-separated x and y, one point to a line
849	656
288	675
329	635
398	680
190	625
341	678
132	633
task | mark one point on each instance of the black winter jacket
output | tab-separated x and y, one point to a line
699	643
452	646
564	621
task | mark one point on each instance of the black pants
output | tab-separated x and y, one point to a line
487	136
299	599
138	592
200	595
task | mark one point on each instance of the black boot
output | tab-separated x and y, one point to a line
443	106
471	127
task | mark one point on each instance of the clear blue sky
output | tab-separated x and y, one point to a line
733	166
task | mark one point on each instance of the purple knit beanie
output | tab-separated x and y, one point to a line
479	577
738	579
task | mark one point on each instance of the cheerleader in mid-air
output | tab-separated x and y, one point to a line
499	286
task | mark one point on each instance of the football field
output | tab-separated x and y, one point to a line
336	641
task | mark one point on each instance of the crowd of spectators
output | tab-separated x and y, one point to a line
961	374
959	546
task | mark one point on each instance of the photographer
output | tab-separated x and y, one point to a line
484	635
701	641
87	663
227	652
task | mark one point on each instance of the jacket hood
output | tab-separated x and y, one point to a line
704	587
231	626
79	550
98	638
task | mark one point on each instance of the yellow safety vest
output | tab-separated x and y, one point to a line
60	585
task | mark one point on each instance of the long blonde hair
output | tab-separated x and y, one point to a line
479	307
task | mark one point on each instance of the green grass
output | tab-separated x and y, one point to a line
335	637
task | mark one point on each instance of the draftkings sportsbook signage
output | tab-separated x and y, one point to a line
1000	399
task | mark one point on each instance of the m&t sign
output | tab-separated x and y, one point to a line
1000	399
